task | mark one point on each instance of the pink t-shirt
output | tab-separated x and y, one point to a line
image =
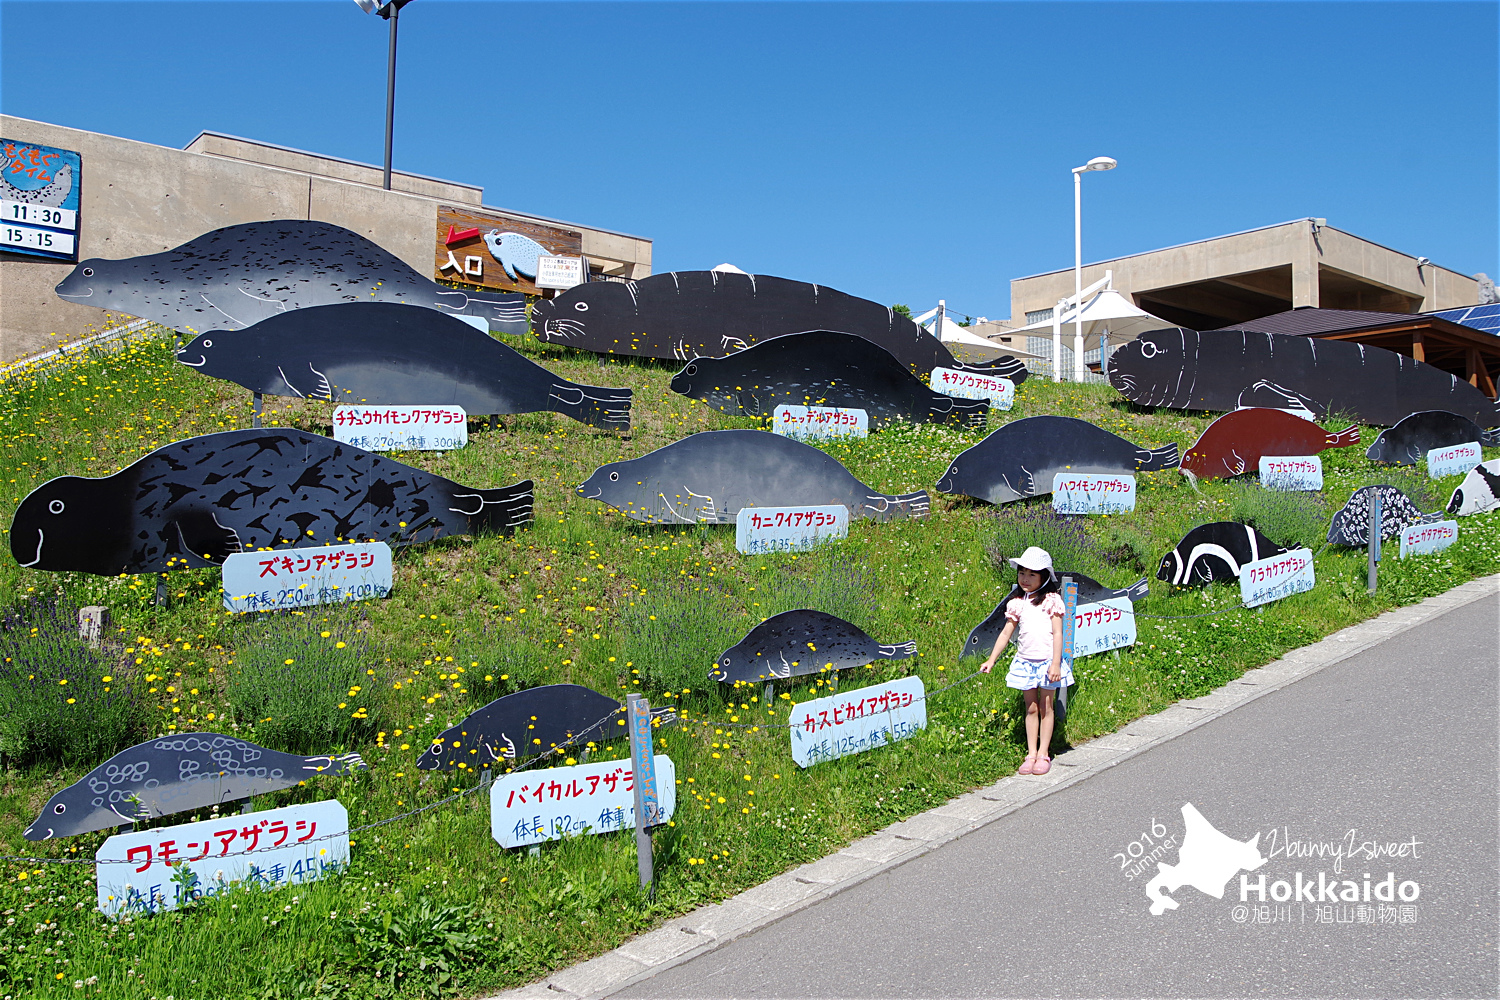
1034	625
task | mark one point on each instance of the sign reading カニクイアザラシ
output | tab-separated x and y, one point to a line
1424	539
829	728
1001	392
1454	460
1084	493
529	807
1102	626
758	530
818	423
152	870
1291	473
401	428
1276	577
39	200
295	578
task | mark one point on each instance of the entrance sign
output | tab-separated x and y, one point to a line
296	578
829	728
758	530
150	871
1102	626
39	200
1291	473
1276	577
1001	392
532	807
819	423
1082	493
401	428
1454	460
559	272
1423	539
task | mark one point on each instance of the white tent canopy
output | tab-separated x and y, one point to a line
1106	313
967	347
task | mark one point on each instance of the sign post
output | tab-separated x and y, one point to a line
647	804
1374	545
1070	607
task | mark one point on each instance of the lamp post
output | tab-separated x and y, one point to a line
391	11
1097	163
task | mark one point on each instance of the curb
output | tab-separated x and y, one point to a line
684	938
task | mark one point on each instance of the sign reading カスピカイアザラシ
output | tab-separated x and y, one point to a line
39	200
529	807
1289	473
295	578
401	428
1084	493
1276	577
829	728
758	530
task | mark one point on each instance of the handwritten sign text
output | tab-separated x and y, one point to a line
529	807
1423	539
1102	626
1084	493
1001	392
1289	473
819	423
294	578
1453	460
1279	576
401	428
829	728
758	530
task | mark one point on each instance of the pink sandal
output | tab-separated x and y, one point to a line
1042	765
1028	765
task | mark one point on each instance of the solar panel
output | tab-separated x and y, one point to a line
1486	317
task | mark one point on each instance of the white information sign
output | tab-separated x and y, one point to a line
297	578
559	272
1086	493
819	423
1454	460
38	215
758	530
852	722
1102	626
1424	539
1291	473
530	807
154	870
1001	392
401	428
31	238
1279	576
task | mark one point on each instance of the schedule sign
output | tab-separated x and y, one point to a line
39	200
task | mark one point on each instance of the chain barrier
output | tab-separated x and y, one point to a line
1206	614
792	725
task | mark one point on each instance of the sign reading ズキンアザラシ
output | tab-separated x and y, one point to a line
758	530
39	200
1454	460
1424	539
1001	392
1290	473
1276	577
817	423
529	807
1102	626
1084	493
829	728
153	870
401	428
296	578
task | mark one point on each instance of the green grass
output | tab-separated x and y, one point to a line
572	599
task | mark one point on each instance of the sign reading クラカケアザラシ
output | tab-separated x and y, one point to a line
1276	577
1080	493
758	530
819	423
1288	473
1001	392
153	870
401	428
39	200
1422	539
295	578
529	807
829	728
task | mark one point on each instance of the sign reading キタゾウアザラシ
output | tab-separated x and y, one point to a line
1291	473
1102	626
758	530
819	423
530	807
1423	539
1001	392
39	200
1276	577
855	721
401	428
1082	493
1454	460
149	871
296	578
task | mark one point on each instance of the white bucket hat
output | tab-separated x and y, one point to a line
1034	558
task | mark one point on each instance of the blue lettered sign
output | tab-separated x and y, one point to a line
829	728
1279	576
758	530
296	578
530	807
1290	473
1086	493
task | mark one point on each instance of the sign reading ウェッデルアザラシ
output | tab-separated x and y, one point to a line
1081	493
758	530
1288	473
401	428
1423	539
154	870
817	423
1454	460
1001	392
39	200
829	728
1276	577
529	807
295	578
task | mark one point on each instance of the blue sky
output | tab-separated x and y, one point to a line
900	151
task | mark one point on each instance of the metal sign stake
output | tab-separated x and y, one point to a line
647	803
1374	542
1070	607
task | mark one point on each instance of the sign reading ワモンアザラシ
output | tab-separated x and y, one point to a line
152	870
819	423
529	807
1084	493
758	530
1289	473
829	728
1276	577
1102	626
39	200
1001	392
1423	539
1454	460
401	428
295	578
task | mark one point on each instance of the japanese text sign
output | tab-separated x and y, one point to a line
1279	576
1102	626
758	530
819	423
1070	608
829	728
401	428
559	272
39	200
1083	493
530	807
295	578
1290	473
1423	539
1454	460
648	804
1001	392
148	871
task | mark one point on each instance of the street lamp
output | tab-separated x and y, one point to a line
1097	163
390	10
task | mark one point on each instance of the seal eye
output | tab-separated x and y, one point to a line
56	506
614	477
1151	353
437	749
726	661
88	272
582	307
59	808
692	369
208	343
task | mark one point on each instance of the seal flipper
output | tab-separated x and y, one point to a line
882	507
501	510
1156	459
202	535
1489	438
597	406
1139	590
899	651
1004	366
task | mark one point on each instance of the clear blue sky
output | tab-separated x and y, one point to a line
900	151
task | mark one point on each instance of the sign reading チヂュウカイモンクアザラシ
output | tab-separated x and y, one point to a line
1000	391
788	529
297	578
1422	539
1092	494
1290	473
530	807
829	728
1276	577
401	428
39	200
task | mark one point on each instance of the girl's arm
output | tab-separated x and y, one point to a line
1054	672
1000	643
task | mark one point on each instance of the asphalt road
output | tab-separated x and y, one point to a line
1397	744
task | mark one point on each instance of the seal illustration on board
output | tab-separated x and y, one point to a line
516	253
1234	444
1351	524
1215	552
1413	436
800	642
1479	492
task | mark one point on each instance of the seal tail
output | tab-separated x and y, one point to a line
1490	438
499	510
505	312
883	507
1344	438
899	651
597	406
1004	366
968	413
1137	591
1156	459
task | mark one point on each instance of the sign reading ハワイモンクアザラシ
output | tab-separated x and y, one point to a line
530	807
39	200
855	721
788	529
1080	493
1276	577
297	578
401	428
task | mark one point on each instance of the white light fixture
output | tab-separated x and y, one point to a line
1097	163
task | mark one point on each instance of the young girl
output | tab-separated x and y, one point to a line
1034	610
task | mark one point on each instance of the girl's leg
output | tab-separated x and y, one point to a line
1031	721
1045	719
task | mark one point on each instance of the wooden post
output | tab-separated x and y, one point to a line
1418	346
1070	607
255	410
647	803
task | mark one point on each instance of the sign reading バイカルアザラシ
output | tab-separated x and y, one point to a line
1084	493
39	200
758	530
1102	626
529	807
401	428
296	578
1424	539
818	423
1291	473
1454	460
149	871
1001	392
855	721
1276	577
